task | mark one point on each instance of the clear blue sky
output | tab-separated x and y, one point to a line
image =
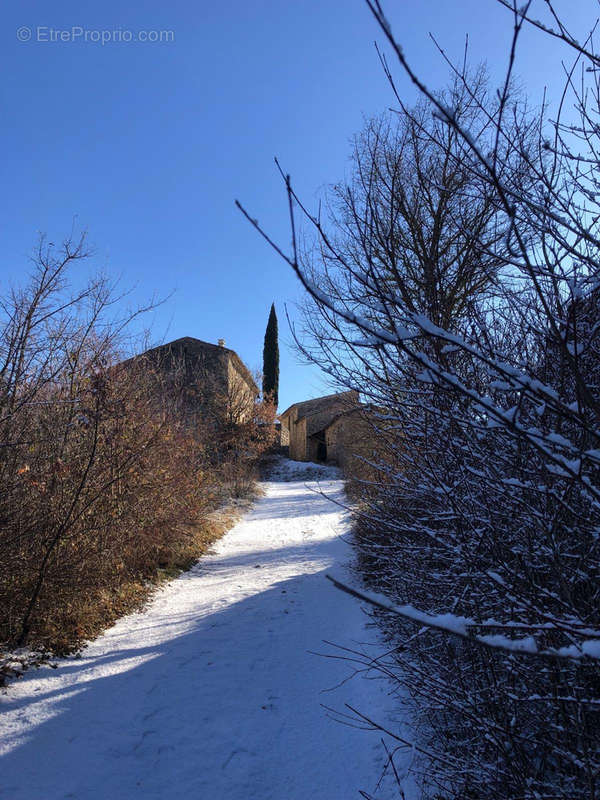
148	144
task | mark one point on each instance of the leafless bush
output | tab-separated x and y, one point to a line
480	343
105	483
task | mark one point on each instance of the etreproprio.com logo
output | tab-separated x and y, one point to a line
77	33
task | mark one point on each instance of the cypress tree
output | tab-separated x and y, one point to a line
270	386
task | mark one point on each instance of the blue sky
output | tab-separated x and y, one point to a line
147	145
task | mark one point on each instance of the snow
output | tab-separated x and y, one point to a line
465	627
216	689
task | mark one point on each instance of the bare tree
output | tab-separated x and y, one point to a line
482	528
105	483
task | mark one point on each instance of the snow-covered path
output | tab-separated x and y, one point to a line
212	691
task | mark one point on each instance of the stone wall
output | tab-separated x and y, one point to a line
205	381
241	394
284	433
297	436
319	420
350	438
303	424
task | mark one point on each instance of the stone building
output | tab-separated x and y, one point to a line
353	438
204	378
303	425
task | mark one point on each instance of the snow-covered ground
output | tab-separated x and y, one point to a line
214	690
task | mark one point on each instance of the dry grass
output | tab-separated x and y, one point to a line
116	474
84	620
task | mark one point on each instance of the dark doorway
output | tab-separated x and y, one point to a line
317	447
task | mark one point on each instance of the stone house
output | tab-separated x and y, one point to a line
352	437
204	379
303	425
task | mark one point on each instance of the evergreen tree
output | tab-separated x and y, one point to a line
270	384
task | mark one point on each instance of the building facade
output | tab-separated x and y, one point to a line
204	379
354	439
303	425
